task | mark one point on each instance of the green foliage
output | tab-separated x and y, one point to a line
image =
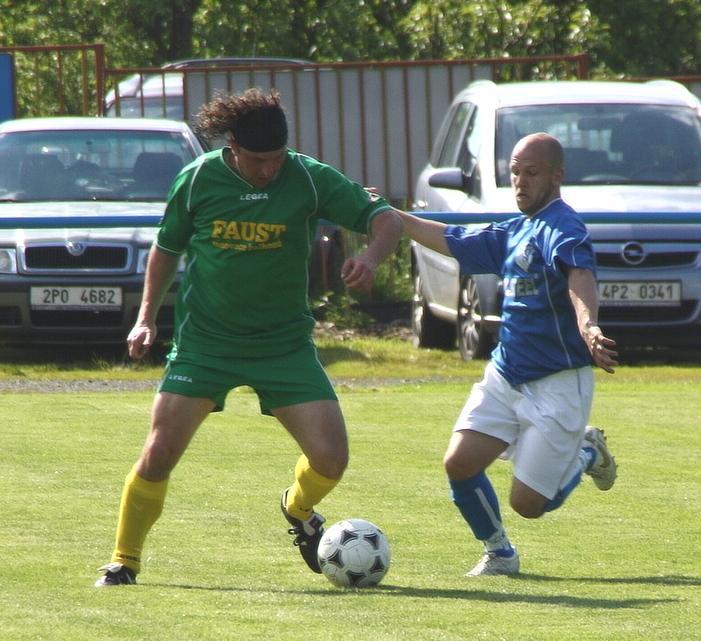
651	38
315	30
339	309
393	276
625	38
454	29
393	280
657	37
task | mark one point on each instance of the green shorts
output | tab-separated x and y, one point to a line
279	381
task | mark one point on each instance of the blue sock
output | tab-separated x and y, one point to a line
587	457
478	504
563	493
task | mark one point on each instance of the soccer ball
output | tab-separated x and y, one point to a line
354	553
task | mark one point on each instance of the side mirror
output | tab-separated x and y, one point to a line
447	179
454	178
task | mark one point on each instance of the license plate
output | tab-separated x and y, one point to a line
667	292
98	298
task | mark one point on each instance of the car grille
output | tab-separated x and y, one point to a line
75	319
10	316
646	314
58	258
661	259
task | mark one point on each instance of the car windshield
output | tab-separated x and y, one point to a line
75	165
610	143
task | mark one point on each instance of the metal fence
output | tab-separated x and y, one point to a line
375	121
53	80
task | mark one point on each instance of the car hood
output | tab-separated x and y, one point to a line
614	198
637	199
77	209
633	198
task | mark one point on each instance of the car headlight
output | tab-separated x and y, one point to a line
141	260
8	261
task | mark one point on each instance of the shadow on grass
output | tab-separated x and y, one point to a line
671	581
659	356
498	595
96	356
76	357
340	354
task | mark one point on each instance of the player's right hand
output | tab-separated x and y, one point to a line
140	340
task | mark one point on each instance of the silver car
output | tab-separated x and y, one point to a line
629	147
80	280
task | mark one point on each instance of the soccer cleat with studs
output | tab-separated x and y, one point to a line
604	469
115	574
492	564
307	534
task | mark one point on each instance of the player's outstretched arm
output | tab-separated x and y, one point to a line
160	272
585	300
429	233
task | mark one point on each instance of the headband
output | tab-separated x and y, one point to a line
262	129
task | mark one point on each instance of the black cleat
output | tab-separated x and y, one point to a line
116	574
307	534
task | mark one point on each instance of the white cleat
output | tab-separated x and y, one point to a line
604	470
492	564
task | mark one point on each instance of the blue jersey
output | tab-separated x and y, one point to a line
539	334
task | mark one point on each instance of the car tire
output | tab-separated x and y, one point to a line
474	341
429	331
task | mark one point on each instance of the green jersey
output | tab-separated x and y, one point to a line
244	291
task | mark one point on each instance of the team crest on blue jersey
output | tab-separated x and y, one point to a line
524	256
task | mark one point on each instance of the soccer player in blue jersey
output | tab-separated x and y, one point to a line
533	403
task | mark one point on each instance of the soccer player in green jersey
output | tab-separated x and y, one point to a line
245	216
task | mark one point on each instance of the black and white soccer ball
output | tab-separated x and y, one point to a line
354	553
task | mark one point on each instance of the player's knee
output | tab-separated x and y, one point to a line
338	465
158	459
458	467
331	462
527	507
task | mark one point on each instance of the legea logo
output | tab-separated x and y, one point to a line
258	196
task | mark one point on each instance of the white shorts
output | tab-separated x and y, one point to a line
543	422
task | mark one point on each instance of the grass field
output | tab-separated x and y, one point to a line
622	565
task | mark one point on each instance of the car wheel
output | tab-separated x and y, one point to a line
429	331
474	341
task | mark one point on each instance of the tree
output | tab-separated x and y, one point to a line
652	38
625	37
456	29
168	26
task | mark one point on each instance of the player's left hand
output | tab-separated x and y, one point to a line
358	273
602	349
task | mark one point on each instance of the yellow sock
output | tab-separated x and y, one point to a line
141	505
308	489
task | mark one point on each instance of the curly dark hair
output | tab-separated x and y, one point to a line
220	115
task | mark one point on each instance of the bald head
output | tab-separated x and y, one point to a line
537	171
544	145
